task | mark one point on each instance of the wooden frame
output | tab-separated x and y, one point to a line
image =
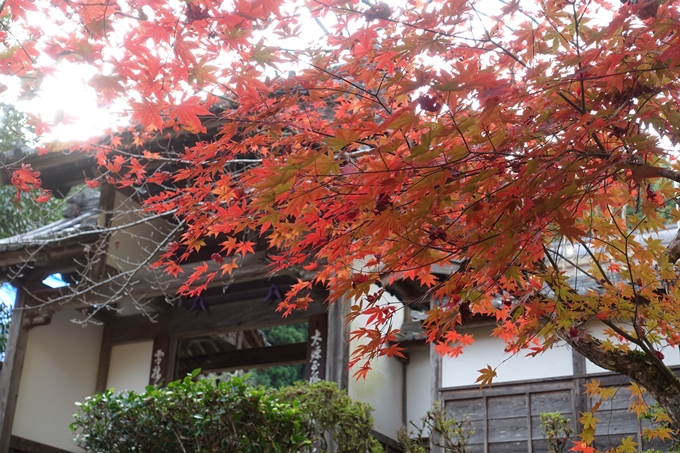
21	445
522	402
10	376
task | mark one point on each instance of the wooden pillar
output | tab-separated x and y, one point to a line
435	384
579	398
158	374
103	368
172	360
337	352
317	342
10	376
104	359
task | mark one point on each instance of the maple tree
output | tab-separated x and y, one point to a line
410	137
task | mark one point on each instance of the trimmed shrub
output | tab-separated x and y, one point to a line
187	416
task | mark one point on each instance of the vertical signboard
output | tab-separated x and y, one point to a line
159	360
316	348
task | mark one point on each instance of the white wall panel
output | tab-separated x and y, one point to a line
60	369
488	350
130	366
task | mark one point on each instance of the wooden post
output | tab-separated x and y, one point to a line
435	384
10	376
172	361
579	397
337	352
103	367
158	374
317	343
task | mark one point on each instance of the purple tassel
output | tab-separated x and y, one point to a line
273	295
198	304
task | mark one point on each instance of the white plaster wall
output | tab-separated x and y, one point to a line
596	328
60	369
130	366
418	378
382	387
488	350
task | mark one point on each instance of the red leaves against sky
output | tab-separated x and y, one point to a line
402	146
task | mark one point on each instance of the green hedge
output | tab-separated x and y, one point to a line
207	416
188	416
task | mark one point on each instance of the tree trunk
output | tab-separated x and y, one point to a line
659	381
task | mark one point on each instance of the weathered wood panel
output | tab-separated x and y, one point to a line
559	401
475	449
508	447
507	406
21	445
479	435
472	408
505	417
508	429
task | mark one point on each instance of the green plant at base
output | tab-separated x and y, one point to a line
557	431
446	432
331	414
211	416
187	416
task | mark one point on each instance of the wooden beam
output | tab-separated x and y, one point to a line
21	445
242	315
10	376
145	284
103	366
49	257
240	359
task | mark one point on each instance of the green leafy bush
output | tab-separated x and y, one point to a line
438	429
331	414
557	431
188	416
211	416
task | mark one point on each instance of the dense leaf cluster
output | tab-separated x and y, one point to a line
514	158
23	213
202	416
210	416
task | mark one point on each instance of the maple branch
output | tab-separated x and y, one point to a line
505	51
645	369
652	171
570	102
123	286
577	22
595	260
572	264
